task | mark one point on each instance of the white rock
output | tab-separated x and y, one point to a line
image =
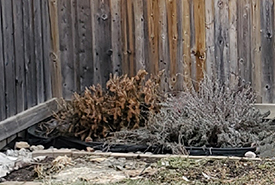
250	154
21	144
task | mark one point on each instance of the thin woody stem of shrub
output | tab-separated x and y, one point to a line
218	115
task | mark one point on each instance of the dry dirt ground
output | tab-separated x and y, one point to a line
110	170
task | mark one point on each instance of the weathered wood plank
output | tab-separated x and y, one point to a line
9	60
19	55
199	9
186	39
173	37
2	72
163	45
38	52
66	47
85	59
116	36
180	64
46	34
267	37
233	41
25	119
139	35
75	43
30	97
256	48
102	50
146	35
125	58
192	43
221	39
55	63
130	43
153	17
244	35
210	38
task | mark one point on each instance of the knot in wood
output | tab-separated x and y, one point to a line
53	56
220	4
104	17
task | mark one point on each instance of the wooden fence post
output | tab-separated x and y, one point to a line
55	54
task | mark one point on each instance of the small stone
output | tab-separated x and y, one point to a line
36	148
250	154
90	149
21	144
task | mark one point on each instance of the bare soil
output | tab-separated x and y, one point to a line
109	170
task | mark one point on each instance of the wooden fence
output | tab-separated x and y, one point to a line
56	47
25	74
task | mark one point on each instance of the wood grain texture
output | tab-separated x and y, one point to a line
66	38
130	39
102	51
221	39
210	38
233	41
163	45
116	28
244	35
55	54
153	33
25	119
2	72
256	49
139	35
46	48
83	41
171	6
38	51
199	8
125	67
9	59
19	55
180	64
267	37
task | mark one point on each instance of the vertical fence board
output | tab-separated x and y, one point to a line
210	39
173	36
130	35
30	97
76	45
244	35
180	64
38	53
267	27
199	9
186	41
139	35
2	71
19	55
153	17
233	47
66	47
116	36
221	39
56	78
102	52
256	48
163	45
9	59
84	39
45	20
125	65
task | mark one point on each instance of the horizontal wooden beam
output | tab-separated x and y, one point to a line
265	107
25	119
